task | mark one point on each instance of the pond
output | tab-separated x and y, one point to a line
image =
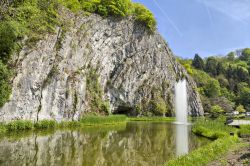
131	144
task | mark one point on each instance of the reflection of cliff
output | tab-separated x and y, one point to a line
140	144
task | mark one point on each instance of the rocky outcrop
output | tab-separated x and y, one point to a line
51	80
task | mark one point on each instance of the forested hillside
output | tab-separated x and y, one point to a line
223	82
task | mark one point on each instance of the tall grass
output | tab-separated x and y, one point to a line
52	124
19	125
213	129
205	154
244	130
45	124
153	119
103	120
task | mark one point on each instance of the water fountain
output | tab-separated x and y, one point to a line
181	102
181	118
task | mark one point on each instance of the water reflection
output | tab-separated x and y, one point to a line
181	139
148	144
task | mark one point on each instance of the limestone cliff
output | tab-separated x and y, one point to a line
132	65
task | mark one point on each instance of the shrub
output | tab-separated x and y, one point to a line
216	111
2	129
159	106
19	125
5	86
45	124
10	31
90	6
95	94
145	16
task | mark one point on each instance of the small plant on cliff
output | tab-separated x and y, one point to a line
158	106
95	93
5	87
145	16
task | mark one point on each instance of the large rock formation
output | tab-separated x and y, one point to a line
132	64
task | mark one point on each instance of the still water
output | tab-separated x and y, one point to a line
131	144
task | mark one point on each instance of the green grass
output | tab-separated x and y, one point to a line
244	130
213	129
19	125
206	154
103	120
153	119
45	124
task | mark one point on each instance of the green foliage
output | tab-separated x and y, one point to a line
153	119
73	5
206	154
159	106
104	120
90	5
226	77
2	129
245	55
117	7
198	62
95	94
45	124
211	66
187	64
10	31
243	97
212	128
241	109
216	110
5	86
145	16
19	125
244	130
231	56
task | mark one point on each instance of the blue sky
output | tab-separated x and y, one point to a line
207	27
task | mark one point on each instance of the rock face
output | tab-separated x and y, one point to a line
51	77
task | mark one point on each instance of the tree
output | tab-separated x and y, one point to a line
198	62
224	103
211	66
212	88
220	68
216	111
231	56
241	109
244	97
245	55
